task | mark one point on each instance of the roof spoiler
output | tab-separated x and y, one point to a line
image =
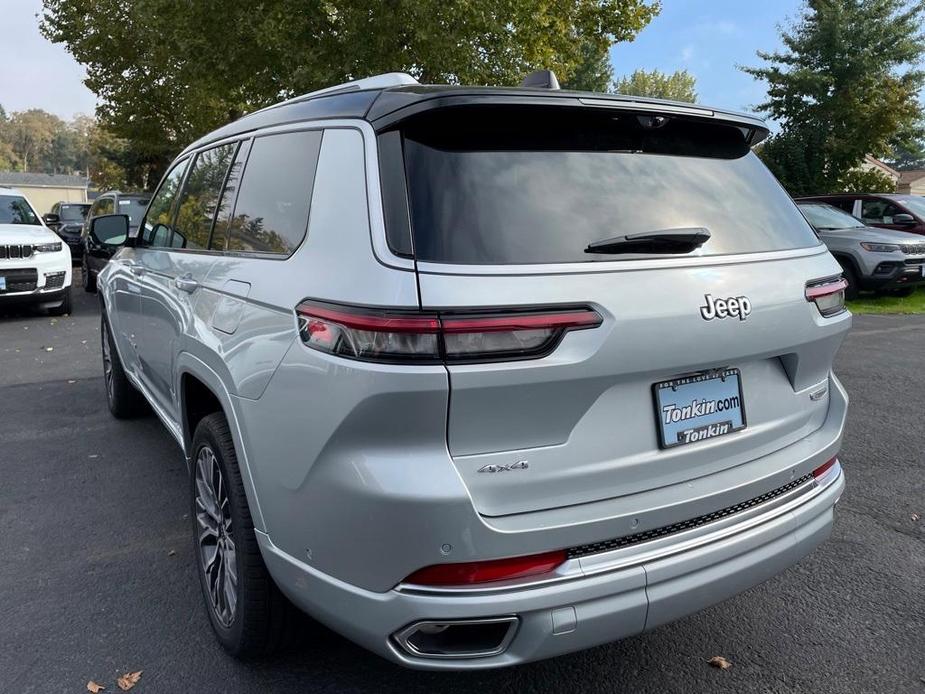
541	79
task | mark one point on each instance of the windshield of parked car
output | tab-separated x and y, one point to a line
828	218
15	210
497	185
73	212
134	208
916	205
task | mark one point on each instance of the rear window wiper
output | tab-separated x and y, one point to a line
683	240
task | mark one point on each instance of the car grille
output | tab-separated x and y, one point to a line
915	261
15	250
54	280
914	248
20	280
655	533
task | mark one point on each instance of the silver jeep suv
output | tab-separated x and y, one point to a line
479	376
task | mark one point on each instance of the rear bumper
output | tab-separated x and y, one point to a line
612	597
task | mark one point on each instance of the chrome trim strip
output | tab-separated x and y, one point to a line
669	545
429	268
401	637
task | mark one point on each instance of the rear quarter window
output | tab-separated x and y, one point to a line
509	186
271	212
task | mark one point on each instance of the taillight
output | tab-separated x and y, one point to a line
828	295
410	337
487	571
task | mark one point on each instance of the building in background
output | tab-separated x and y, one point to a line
907	182
44	190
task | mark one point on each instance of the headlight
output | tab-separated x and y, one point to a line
879	247
47	247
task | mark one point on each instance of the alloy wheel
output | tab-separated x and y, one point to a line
107	361
217	553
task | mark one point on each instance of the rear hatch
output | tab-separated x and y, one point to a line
703	356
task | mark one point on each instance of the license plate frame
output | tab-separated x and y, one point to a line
721	419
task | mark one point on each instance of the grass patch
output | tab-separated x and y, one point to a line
889	304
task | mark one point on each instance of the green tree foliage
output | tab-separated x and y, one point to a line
866	181
678	86
593	73
166	72
845	85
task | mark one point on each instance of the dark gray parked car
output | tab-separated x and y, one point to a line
872	259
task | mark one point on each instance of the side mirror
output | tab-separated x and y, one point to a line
109	229
50	218
903	219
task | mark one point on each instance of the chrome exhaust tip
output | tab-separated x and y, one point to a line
457	638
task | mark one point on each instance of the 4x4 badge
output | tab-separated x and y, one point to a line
735	306
519	465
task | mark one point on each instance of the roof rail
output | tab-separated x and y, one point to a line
388	79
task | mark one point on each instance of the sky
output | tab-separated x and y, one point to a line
708	38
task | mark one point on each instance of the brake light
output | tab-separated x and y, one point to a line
487	571
828	295
824	468
410	337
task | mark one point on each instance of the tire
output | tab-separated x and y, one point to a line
65	307
851	277
124	400
250	617
87	278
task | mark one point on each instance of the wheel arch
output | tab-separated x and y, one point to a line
202	392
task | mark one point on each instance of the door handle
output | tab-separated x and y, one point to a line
186	284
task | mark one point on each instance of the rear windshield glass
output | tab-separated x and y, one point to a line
73	213
15	210
134	208
509	186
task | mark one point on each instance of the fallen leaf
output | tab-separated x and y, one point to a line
720	662
172	553
72	381
94	455
94	688
915	516
128	680
49	349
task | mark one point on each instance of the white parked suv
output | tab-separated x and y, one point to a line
35	266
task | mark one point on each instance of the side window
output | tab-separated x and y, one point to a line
878	211
271	213
105	206
223	217
846	204
156	227
198	202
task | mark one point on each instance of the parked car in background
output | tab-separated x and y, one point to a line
644	418
96	252
882	210
66	219
35	264
872	259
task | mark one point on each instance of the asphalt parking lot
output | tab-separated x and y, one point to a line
97	575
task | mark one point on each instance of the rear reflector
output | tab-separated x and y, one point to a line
822	469
430	338
828	295
487	571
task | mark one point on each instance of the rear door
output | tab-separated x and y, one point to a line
176	260
503	205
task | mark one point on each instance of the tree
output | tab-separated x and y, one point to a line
865	181
593	73
30	135
847	82
678	86
166	72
